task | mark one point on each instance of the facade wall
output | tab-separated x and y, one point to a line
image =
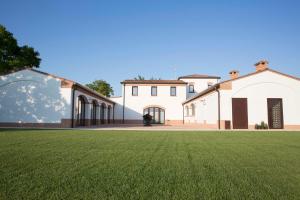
257	89
134	105
30	97
88	107
118	111
33	99
199	85
206	111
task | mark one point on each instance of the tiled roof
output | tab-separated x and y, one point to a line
153	82
216	86
203	76
75	84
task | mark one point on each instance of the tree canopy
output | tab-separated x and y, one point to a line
101	87
139	77
14	57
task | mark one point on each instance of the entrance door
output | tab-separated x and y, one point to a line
158	114
239	113
275	113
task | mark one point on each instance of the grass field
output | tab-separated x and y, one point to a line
52	164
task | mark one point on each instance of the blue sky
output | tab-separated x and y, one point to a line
117	40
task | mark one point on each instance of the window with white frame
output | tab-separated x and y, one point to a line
187	111
193	109
173	91
135	91
191	89
153	90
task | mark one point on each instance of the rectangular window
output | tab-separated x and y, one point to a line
173	91
191	89
209	84
135	91
153	91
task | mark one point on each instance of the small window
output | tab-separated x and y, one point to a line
187	111
153	91
193	109
191	89
173	91
135	91
209	84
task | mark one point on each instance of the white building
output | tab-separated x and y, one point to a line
244	101
162	99
31	98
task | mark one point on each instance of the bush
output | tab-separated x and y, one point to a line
262	125
147	120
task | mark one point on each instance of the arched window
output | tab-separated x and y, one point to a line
94	112
187	112
102	113
193	109
81	111
108	114
158	114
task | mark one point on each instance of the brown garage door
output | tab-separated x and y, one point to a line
240	113
275	113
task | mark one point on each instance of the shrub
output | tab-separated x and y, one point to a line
262	125
147	120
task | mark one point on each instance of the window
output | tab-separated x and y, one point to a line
153	91
135	91
191	89
187	111
193	109
209	84
173	91
158	114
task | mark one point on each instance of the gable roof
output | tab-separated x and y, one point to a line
74	84
154	82
217	86
199	76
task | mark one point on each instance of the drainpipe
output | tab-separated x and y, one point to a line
183	113
219	109
73	101
123	121
113	113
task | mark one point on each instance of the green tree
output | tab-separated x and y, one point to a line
14	57
101	87
139	77
152	78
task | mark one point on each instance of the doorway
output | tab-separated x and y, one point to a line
275	113
240	113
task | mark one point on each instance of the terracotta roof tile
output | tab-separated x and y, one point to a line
154	82
203	76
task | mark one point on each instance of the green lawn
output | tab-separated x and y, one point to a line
52	164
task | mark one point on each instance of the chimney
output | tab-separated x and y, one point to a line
261	65
234	74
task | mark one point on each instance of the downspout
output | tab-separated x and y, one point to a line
219	108
113	113
183	113
73	101
123	121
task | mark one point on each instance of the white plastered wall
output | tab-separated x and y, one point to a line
134	105
206	110
199	85
31	97
257	89
88	105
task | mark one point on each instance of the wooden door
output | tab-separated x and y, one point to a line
275	113
240	113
